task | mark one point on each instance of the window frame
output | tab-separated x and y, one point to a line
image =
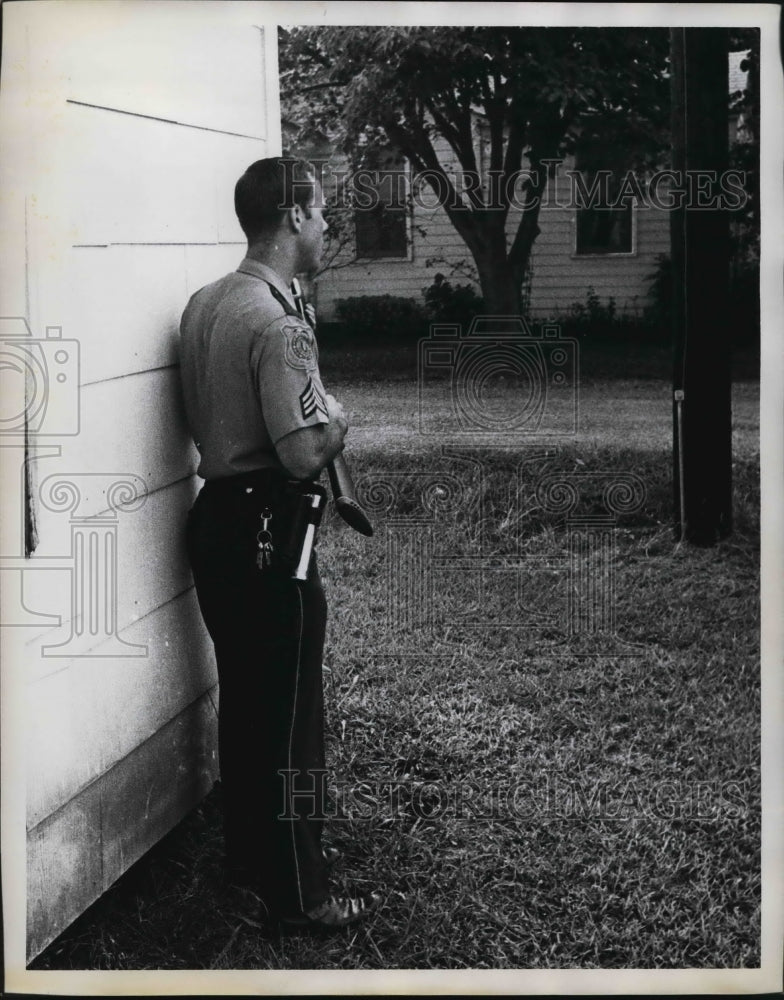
577	254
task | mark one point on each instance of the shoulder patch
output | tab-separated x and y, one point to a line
300	346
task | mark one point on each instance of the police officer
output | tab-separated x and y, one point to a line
265	428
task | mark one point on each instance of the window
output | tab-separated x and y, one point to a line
601	229
380	216
604	231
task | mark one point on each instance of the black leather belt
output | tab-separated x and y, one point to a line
264	481
260	478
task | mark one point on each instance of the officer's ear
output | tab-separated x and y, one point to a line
296	217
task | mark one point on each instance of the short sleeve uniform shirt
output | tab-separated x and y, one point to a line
249	372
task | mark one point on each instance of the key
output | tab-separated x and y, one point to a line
264	541
264	555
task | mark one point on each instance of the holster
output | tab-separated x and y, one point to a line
306	518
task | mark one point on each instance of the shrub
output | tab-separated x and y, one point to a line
658	315
376	318
596	320
592	316
447	303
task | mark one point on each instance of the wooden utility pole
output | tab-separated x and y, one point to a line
699	234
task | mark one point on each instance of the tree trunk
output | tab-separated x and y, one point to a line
502	268
501	289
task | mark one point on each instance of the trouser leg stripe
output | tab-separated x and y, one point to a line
291	739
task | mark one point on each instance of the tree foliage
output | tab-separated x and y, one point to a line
745	150
538	92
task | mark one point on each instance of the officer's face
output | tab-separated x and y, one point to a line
312	234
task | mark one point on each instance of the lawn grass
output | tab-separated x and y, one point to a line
524	796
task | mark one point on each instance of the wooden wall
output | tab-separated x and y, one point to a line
129	125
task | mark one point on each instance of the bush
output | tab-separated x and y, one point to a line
599	321
658	315
592	316
373	319
447	303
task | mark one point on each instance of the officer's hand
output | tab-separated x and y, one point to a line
336	414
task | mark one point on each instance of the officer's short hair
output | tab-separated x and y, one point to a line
270	187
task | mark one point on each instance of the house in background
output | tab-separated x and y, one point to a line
397	249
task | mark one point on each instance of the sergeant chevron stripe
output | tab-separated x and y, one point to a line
312	400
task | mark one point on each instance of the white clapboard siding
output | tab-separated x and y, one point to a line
206	263
201	68
151	569
129	326
76	853
146	181
132	423
78	707
131	123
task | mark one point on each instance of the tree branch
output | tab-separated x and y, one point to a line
417	147
514	146
460	139
496	112
528	228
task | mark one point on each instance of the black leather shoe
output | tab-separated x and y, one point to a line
334	913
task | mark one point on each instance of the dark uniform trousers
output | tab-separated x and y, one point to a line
268	631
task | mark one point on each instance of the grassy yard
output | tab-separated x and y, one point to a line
550	759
